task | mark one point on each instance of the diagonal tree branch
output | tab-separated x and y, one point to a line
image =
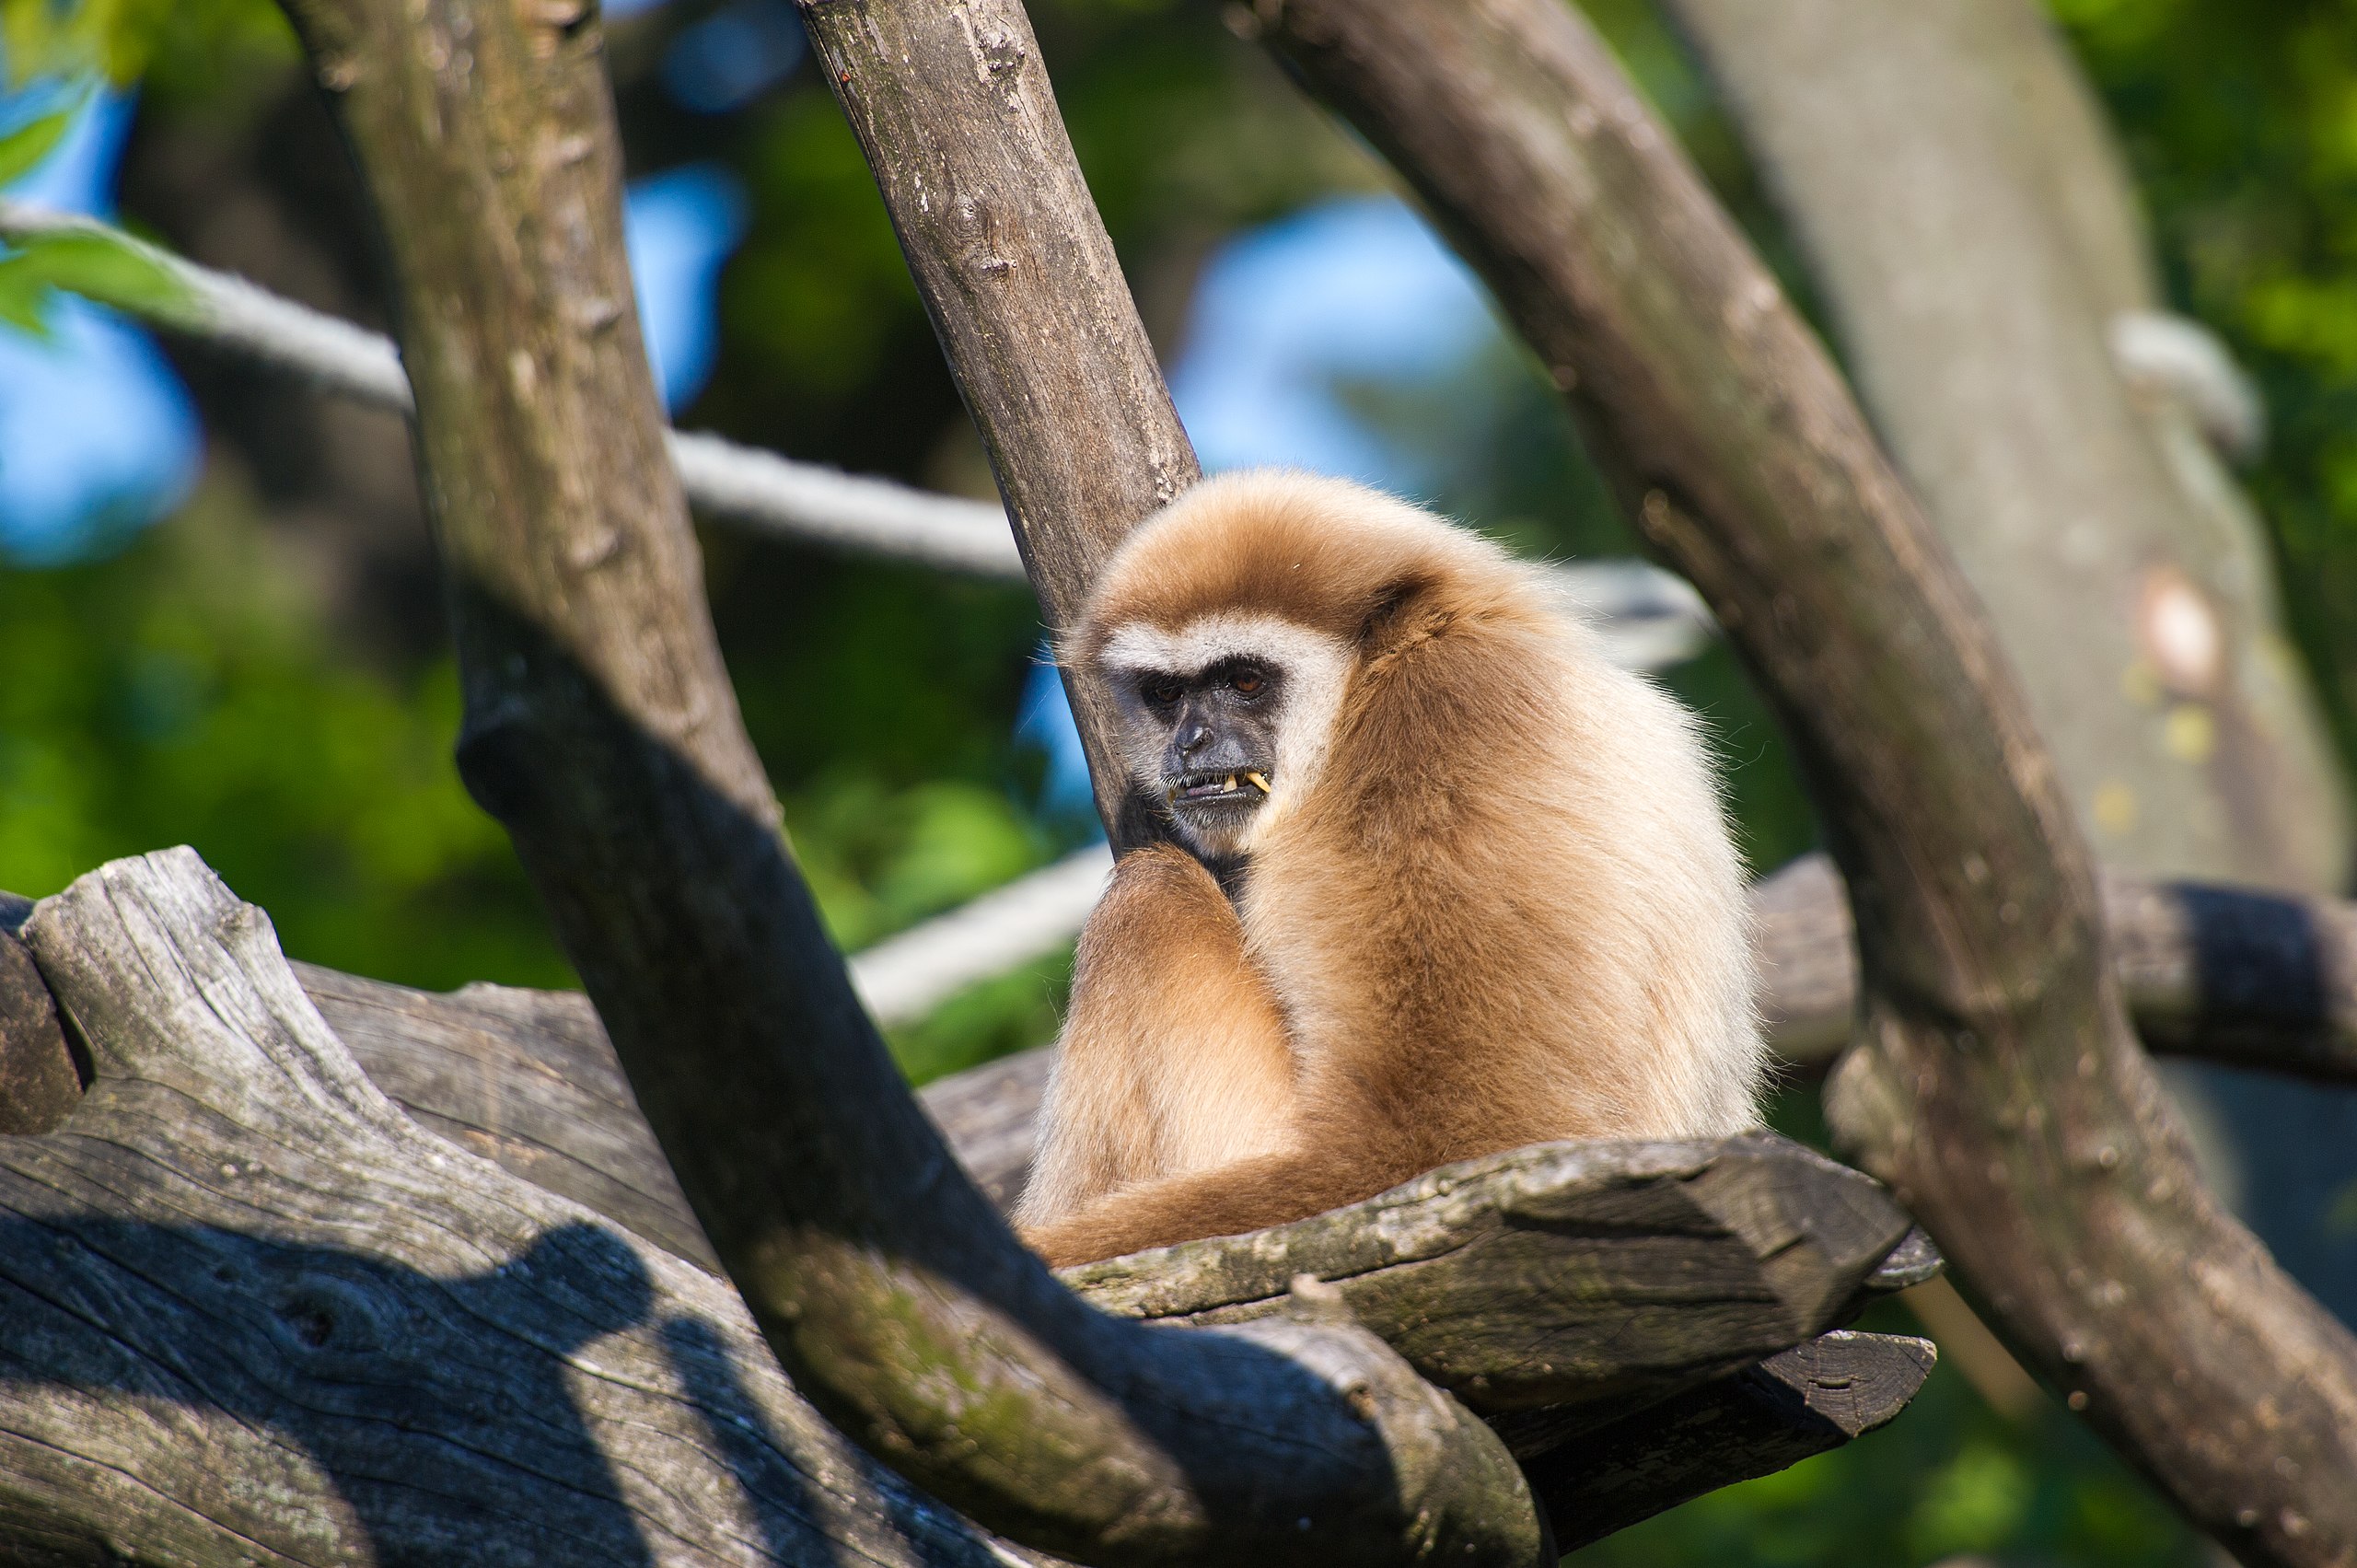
1996	1083
601	730
953	108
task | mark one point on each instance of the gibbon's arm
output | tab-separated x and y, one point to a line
1173	1055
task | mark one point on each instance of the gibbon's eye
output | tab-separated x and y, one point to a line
1248	681
1162	689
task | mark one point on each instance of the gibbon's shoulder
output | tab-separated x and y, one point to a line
1322	554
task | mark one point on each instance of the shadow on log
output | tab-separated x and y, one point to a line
237	1247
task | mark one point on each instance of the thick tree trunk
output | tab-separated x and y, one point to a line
1996	1083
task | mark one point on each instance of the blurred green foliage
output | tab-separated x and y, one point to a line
199	684
186	691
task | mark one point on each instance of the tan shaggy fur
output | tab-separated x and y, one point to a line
1493	904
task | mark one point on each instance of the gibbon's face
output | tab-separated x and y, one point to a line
1225	720
1217	728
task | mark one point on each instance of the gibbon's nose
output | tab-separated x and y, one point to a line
1194	733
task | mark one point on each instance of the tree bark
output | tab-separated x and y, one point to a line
2236	977
1813	1397
1568	1278
1995	1083
602	731
1968	222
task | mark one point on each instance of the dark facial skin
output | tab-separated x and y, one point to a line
1221	728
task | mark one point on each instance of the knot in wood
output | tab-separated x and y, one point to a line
1002	52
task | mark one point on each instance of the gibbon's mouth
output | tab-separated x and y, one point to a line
1242	787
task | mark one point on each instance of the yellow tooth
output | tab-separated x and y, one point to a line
1259	782
1230	785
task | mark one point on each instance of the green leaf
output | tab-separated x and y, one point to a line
22	149
21	294
105	267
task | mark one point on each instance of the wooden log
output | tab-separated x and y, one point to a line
1578	1277
1566	1274
378	1345
524	1078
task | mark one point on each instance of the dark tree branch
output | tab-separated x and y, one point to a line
600	729
2237	976
1996	1083
1810	1398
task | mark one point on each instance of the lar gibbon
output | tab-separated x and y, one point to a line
1483	893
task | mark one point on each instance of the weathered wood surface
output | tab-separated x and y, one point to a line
524	1079
1997	1082
251	1312
39	1079
384	1348
1569	1274
528	1079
